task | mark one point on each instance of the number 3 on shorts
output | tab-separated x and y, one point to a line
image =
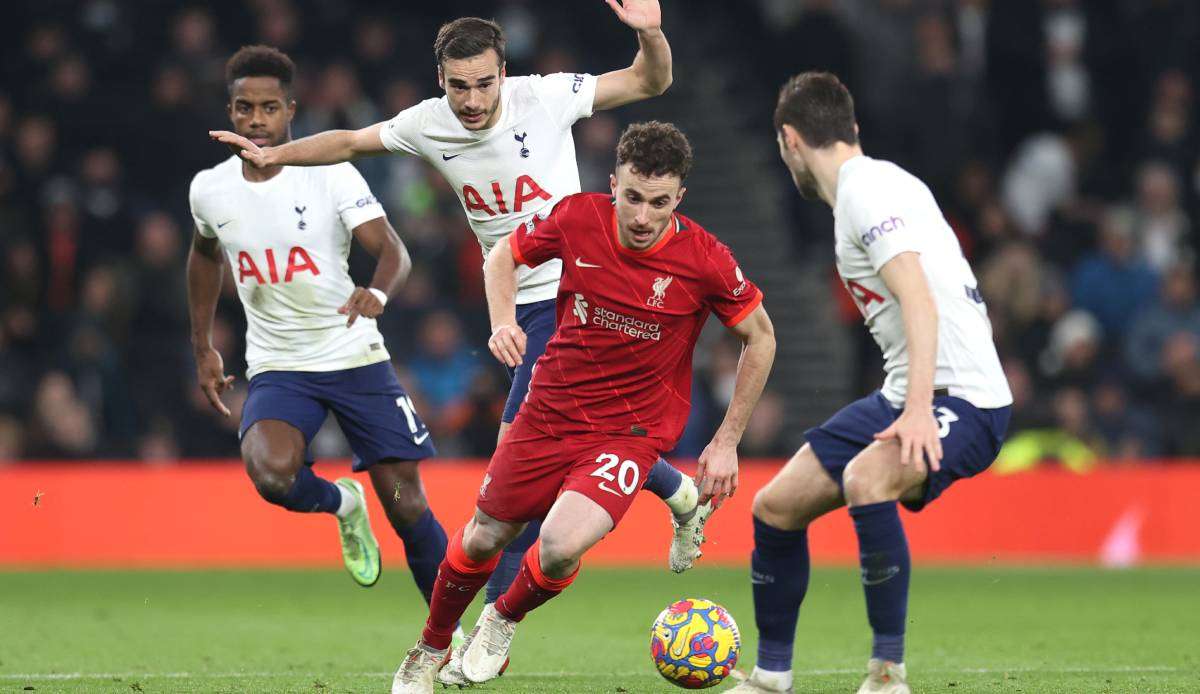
945	417
626	477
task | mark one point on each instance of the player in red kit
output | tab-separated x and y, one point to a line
609	396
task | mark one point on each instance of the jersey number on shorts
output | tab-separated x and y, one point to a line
626	477
405	404
944	416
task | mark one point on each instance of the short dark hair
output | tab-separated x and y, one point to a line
819	107
655	149
260	61
467	37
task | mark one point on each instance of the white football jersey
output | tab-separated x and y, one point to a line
504	175
287	239
882	211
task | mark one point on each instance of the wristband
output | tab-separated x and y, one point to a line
379	294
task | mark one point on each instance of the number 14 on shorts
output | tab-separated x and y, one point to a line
626	475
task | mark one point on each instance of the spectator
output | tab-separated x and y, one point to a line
1113	283
1176	312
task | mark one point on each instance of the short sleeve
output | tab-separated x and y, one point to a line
540	239
401	133
881	224
351	196
568	96
731	296
203	227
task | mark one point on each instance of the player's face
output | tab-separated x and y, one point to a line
644	206
790	150
261	111
473	88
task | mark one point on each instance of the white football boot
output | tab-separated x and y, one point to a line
762	682
689	534
884	677
486	654
416	673
451	672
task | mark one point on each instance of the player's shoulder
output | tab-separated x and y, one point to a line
418	118
215	179
583	204
865	178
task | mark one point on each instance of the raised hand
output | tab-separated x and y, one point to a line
210	372
362	302
640	15
508	345
243	147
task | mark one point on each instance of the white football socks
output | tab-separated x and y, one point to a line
348	504
683	501
780	681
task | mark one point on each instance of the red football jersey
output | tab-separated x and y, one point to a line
620	360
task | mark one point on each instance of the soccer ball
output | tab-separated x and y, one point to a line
694	643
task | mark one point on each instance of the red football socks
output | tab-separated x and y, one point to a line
458	580
532	587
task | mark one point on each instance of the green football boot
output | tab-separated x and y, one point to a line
360	549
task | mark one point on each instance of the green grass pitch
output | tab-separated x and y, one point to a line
971	630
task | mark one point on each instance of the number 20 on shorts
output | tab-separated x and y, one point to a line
626	476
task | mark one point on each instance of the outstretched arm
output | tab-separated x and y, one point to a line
391	269
717	472
329	147
205	270
650	73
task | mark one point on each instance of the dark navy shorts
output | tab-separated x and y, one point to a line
538	322
376	415
971	438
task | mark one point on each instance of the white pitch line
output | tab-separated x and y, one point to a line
53	676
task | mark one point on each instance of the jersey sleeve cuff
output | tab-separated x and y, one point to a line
746	310
361	215
515	245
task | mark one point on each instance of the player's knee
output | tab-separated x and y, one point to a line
769	508
865	483
559	554
405	502
273	477
484	537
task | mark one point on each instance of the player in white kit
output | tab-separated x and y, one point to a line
311	344
504	145
941	415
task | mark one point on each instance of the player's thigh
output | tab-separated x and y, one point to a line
279	418
876	475
609	469
575	523
377	416
798	494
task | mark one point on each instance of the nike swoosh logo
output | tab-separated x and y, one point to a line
223	224
449	157
890	573
420	439
580	263
610	491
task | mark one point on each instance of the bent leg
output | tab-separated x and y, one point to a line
273	452
575	523
874	481
398	485
782	510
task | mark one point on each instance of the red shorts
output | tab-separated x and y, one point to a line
530	468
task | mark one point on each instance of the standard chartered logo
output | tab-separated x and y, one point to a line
609	319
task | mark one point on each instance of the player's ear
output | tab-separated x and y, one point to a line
441	77
229	111
503	70
679	195
791	138
612	184
291	109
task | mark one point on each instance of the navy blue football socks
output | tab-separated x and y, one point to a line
886	568
779	569
424	549
310	493
663	480
510	562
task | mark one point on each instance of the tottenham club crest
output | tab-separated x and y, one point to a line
659	289
301	225
520	138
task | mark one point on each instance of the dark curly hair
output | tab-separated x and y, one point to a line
467	37
655	149
260	61
819	107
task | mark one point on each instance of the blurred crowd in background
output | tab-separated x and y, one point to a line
1058	135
